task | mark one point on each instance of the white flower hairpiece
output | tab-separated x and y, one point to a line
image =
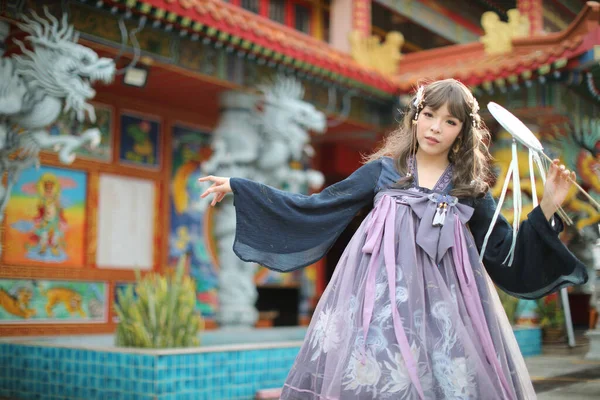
475	113
419	96
475	107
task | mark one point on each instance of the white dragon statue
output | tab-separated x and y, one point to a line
263	137
54	75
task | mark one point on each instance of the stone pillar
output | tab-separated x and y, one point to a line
340	24
346	16
4	32
533	9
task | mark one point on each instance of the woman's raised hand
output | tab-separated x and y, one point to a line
220	188
558	184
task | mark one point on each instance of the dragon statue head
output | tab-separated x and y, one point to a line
60	67
286	112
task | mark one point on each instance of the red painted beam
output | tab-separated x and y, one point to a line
454	17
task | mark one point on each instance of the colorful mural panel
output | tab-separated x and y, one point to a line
191	146
45	218
27	301
67	124
140	141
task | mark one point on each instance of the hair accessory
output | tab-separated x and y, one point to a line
418	102
475	113
419	97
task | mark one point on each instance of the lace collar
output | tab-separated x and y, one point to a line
444	183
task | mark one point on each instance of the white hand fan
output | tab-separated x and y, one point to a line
523	135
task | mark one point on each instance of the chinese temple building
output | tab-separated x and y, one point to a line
358	60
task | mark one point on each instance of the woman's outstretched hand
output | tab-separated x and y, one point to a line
220	188
558	184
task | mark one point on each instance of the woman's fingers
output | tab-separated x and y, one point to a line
218	197
220	188
206	178
560	171
553	169
211	178
208	191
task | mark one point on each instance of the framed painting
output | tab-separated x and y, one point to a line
52	302
140	141
45	218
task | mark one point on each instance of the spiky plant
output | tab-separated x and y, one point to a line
160	312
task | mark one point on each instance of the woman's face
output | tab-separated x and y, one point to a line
437	130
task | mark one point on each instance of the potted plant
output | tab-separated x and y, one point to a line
552	318
159	311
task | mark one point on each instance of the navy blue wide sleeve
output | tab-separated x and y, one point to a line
285	231
542	263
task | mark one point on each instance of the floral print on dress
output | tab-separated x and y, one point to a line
363	373
327	334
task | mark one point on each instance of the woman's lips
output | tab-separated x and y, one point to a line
431	140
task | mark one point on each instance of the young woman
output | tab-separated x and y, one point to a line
411	312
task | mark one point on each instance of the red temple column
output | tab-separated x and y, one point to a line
361	16
534	11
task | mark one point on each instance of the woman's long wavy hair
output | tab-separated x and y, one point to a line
471	161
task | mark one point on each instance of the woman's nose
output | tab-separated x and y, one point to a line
435	126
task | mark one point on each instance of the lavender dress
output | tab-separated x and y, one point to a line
411	312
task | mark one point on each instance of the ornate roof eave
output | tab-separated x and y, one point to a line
233	26
530	57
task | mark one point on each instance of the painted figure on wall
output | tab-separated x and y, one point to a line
49	222
46	218
140	141
69	298
17	302
190	147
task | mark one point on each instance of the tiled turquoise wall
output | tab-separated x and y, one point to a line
44	372
529	340
36	372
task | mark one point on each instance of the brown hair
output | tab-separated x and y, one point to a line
471	161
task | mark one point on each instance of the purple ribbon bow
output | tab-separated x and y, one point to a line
436	240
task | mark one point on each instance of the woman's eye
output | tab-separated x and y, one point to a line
428	114
452	123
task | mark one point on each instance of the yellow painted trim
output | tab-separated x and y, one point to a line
317	19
